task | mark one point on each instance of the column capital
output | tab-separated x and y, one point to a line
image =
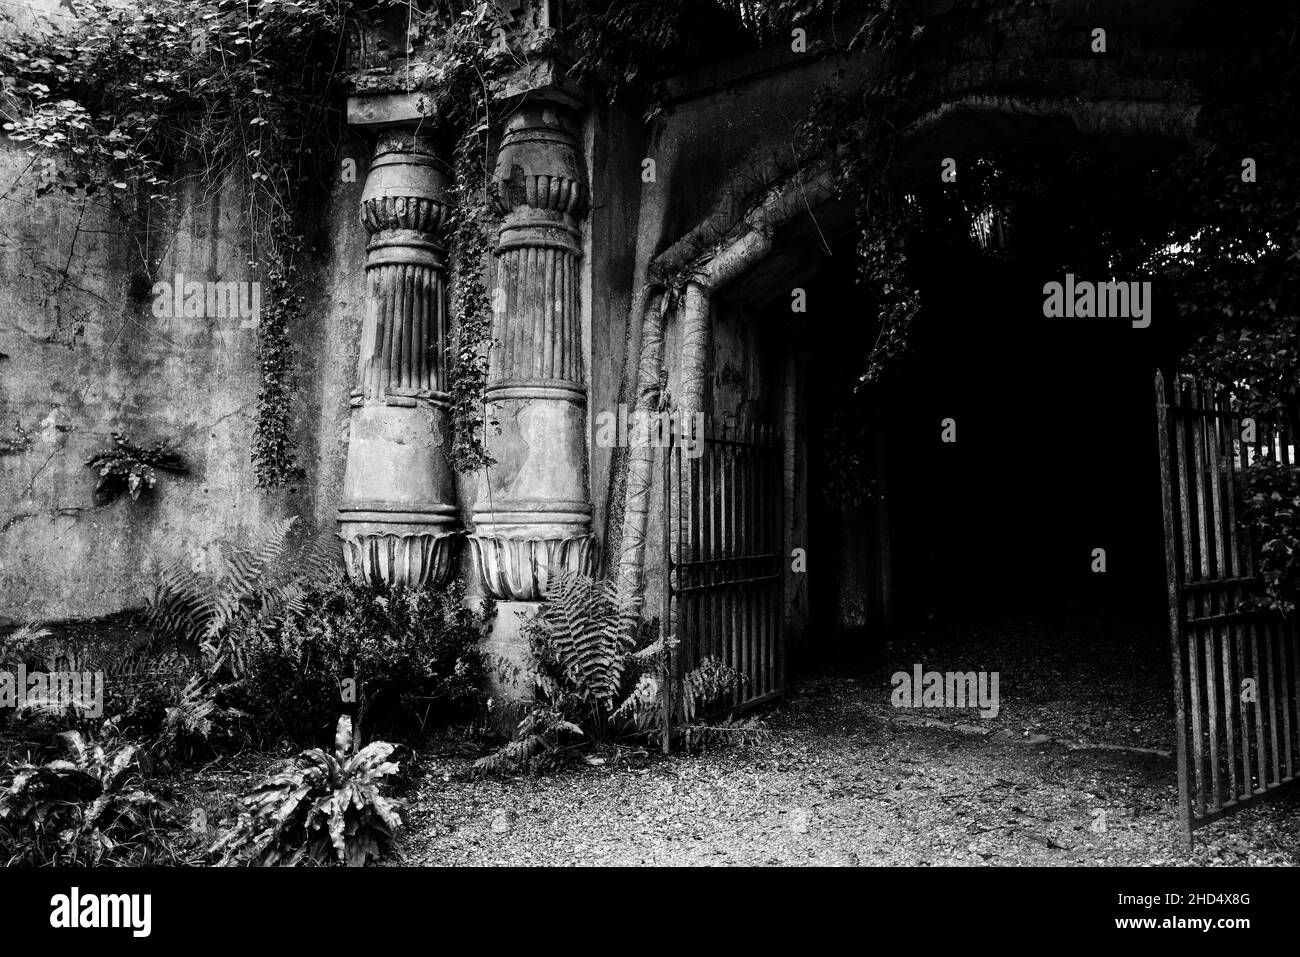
540	174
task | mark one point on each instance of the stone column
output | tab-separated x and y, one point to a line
532	518
398	518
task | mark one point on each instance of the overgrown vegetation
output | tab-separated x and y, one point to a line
131	469
214	594
599	674
83	809
133	100
320	808
398	660
251	644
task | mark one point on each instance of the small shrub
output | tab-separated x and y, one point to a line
37	720
320	808
399	658
85	809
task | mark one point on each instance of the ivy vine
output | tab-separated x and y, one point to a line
470	53
135	97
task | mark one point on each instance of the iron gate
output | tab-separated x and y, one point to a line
723	539
1237	742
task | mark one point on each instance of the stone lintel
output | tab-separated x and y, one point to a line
543	80
378	110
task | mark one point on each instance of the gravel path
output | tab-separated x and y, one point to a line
842	780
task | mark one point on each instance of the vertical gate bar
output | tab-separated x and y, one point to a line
708	491
754	563
734	574
776	545
744	550
724	541
693	555
742	507
1270	662
771	499
753	571
668	626
719	546
1259	621
751	568
1293	639
761	510
719	563
733	548
1286	629
1234	594
1202	602
779	584
762	545
779	462
1217	596
684	619
1164	421
1286	698
1261	748
708	637
1273	637
1241	638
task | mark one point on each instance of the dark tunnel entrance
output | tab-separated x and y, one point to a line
1008	464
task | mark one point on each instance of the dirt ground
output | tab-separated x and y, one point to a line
1074	771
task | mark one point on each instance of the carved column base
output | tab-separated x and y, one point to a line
521	569
396	519
397	554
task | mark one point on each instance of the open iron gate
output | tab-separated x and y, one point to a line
725	571
1236	669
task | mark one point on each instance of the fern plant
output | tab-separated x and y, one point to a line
84	809
582	644
194	716
599	671
204	597
24	644
320	808
401	658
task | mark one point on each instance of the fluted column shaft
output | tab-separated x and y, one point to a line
398	518
532	517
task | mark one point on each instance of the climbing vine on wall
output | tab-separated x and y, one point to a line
134	97
471	52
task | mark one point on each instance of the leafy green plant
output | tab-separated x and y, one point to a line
131	97
132	469
210	595
467	60
599	672
84	809
1272	504
320	808
23	645
401	659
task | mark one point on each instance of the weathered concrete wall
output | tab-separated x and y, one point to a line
86	355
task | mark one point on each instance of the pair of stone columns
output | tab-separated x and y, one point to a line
399	517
